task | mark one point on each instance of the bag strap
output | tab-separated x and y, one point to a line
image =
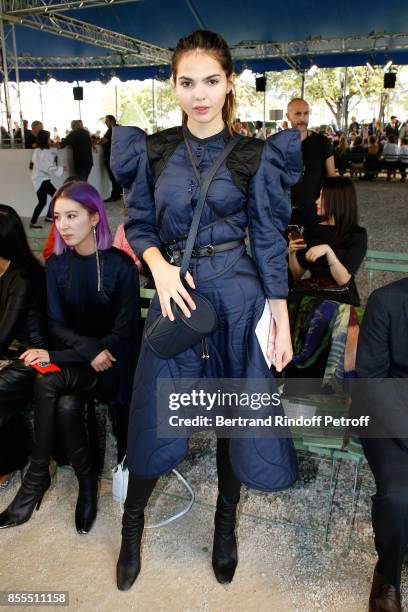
192	234
219	214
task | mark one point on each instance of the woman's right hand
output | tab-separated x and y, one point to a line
296	245
169	286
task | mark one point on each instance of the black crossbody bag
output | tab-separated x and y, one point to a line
169	338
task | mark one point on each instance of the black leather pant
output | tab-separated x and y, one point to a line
16	390
389	463
58	402
140	489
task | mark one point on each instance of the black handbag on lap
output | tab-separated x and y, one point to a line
169	338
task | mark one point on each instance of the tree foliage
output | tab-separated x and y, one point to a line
327	85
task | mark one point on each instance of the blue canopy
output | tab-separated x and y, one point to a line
163	23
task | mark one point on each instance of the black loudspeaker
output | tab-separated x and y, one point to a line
389	80
260	83
78	93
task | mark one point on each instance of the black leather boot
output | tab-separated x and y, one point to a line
384	597
29	496
225	554
71	422
86	506
128	566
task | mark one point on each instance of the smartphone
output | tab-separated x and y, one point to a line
295	232
45	367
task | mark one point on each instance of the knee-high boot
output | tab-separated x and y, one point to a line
71	421
30	494
128	565
225	553
37	479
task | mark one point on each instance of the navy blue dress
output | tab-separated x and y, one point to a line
250	190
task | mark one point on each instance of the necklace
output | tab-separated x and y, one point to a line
6	268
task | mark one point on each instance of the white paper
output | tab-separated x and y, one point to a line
262	331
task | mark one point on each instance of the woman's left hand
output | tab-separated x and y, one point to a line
283	349
279	348
35	356
318	251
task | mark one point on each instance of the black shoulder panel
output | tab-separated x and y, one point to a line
243	161
160	147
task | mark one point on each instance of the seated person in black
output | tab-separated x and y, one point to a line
22	326
332	252
334	249
383	354
93	311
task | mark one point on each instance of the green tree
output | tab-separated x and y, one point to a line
327	85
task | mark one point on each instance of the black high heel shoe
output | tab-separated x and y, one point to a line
86	506
29	496
225	553
128	565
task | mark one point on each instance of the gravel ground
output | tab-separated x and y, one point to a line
284	564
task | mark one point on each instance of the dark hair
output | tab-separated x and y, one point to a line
405	141
373	139
13	242
42	139
339	201
111	117
259	125
392	139
358	141
213	44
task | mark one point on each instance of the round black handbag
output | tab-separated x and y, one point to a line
169	338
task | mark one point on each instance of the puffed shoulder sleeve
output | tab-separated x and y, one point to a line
130	165
269	208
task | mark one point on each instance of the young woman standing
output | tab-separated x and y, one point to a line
161	192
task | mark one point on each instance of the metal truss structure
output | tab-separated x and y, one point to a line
9	61
61	25
132	53
110	61
126	51
31	7
313	47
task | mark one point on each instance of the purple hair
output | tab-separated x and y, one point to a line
83	193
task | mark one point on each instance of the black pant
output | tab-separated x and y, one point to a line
16	389
53	404
116	188
140	489
82	171
389	463
46	189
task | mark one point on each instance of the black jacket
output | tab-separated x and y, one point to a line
383	341
382	364
80	142
22	311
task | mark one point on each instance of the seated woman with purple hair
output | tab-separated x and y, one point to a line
93	314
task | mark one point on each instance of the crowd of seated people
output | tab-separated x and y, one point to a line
90	293
367	158
370	149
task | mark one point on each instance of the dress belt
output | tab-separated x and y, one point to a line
209	250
